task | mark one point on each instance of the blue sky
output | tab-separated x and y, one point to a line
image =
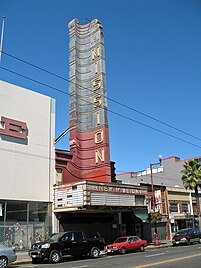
153	65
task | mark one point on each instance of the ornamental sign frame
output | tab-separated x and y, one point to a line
89	133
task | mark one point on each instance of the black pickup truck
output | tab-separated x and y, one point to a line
71	243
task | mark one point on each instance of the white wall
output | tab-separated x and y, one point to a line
27	170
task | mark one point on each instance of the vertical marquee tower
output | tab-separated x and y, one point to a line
89	135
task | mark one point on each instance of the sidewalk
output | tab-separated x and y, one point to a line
23	257
163	244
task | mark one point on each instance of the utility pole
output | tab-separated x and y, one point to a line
2	35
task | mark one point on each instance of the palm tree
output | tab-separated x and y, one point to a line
192	179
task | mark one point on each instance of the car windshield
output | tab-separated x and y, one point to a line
182	232
121	239
55	237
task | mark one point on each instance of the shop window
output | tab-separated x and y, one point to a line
185	207
16	211
139	200
174	207
38	212
2	212
2	209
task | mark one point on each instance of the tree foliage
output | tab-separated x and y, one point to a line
191	174
191	177
155	217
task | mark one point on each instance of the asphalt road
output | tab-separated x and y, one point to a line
181	256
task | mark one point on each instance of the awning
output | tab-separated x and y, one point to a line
142	214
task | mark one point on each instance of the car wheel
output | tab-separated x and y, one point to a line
123	250
3	262
54	257
95	252
141	248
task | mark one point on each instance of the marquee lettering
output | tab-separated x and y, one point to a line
99	136
100	155
97	101
98	118
97	83
95	53
96	67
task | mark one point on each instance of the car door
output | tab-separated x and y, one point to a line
130	244
136	242
81	241
69	244
196	233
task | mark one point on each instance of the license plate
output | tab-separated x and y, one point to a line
109	250
177	242
33	256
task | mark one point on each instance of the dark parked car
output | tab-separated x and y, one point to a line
186	236
72	243
126	243
7	255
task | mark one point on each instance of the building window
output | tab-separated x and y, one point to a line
58	175
139	200
16	211
173	207
2	209
23	223
185	207
195	209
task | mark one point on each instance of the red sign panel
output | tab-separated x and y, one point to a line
13	128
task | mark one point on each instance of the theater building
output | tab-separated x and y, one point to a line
27	125
86	195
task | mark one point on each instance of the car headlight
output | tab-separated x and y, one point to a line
47	245
183	239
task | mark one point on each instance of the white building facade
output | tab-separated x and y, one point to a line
27	132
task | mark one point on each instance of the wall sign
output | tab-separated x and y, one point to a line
13	128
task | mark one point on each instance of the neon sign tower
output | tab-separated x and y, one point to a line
89	135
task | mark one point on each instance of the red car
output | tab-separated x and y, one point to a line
126	243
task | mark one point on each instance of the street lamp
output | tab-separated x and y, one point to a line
156	240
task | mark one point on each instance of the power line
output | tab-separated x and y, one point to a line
115	101
118	114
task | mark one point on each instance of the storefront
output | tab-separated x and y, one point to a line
179	222
107	208
23	222
180	210
27	165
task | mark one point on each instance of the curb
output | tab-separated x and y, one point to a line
21	262
148	248
157	247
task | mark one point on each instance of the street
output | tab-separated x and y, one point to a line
182	256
